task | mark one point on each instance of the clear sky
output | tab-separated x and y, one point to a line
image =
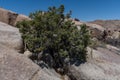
85	10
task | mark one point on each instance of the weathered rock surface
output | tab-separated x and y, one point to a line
10	37
4	15
27	53
95	29
21	17
10	17
16	66
90	25
104	64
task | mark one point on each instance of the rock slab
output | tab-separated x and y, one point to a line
16	66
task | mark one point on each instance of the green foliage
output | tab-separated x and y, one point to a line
53	32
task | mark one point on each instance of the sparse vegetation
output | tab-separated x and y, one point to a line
54	33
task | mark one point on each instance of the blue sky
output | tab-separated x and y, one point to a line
85	10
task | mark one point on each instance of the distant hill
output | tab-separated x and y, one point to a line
112	24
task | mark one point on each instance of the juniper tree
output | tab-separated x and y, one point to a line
53	32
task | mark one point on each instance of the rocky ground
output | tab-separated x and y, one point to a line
102	64
16	66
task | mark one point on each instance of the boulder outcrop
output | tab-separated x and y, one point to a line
10	17
104	64
16	66
10	37
95	29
